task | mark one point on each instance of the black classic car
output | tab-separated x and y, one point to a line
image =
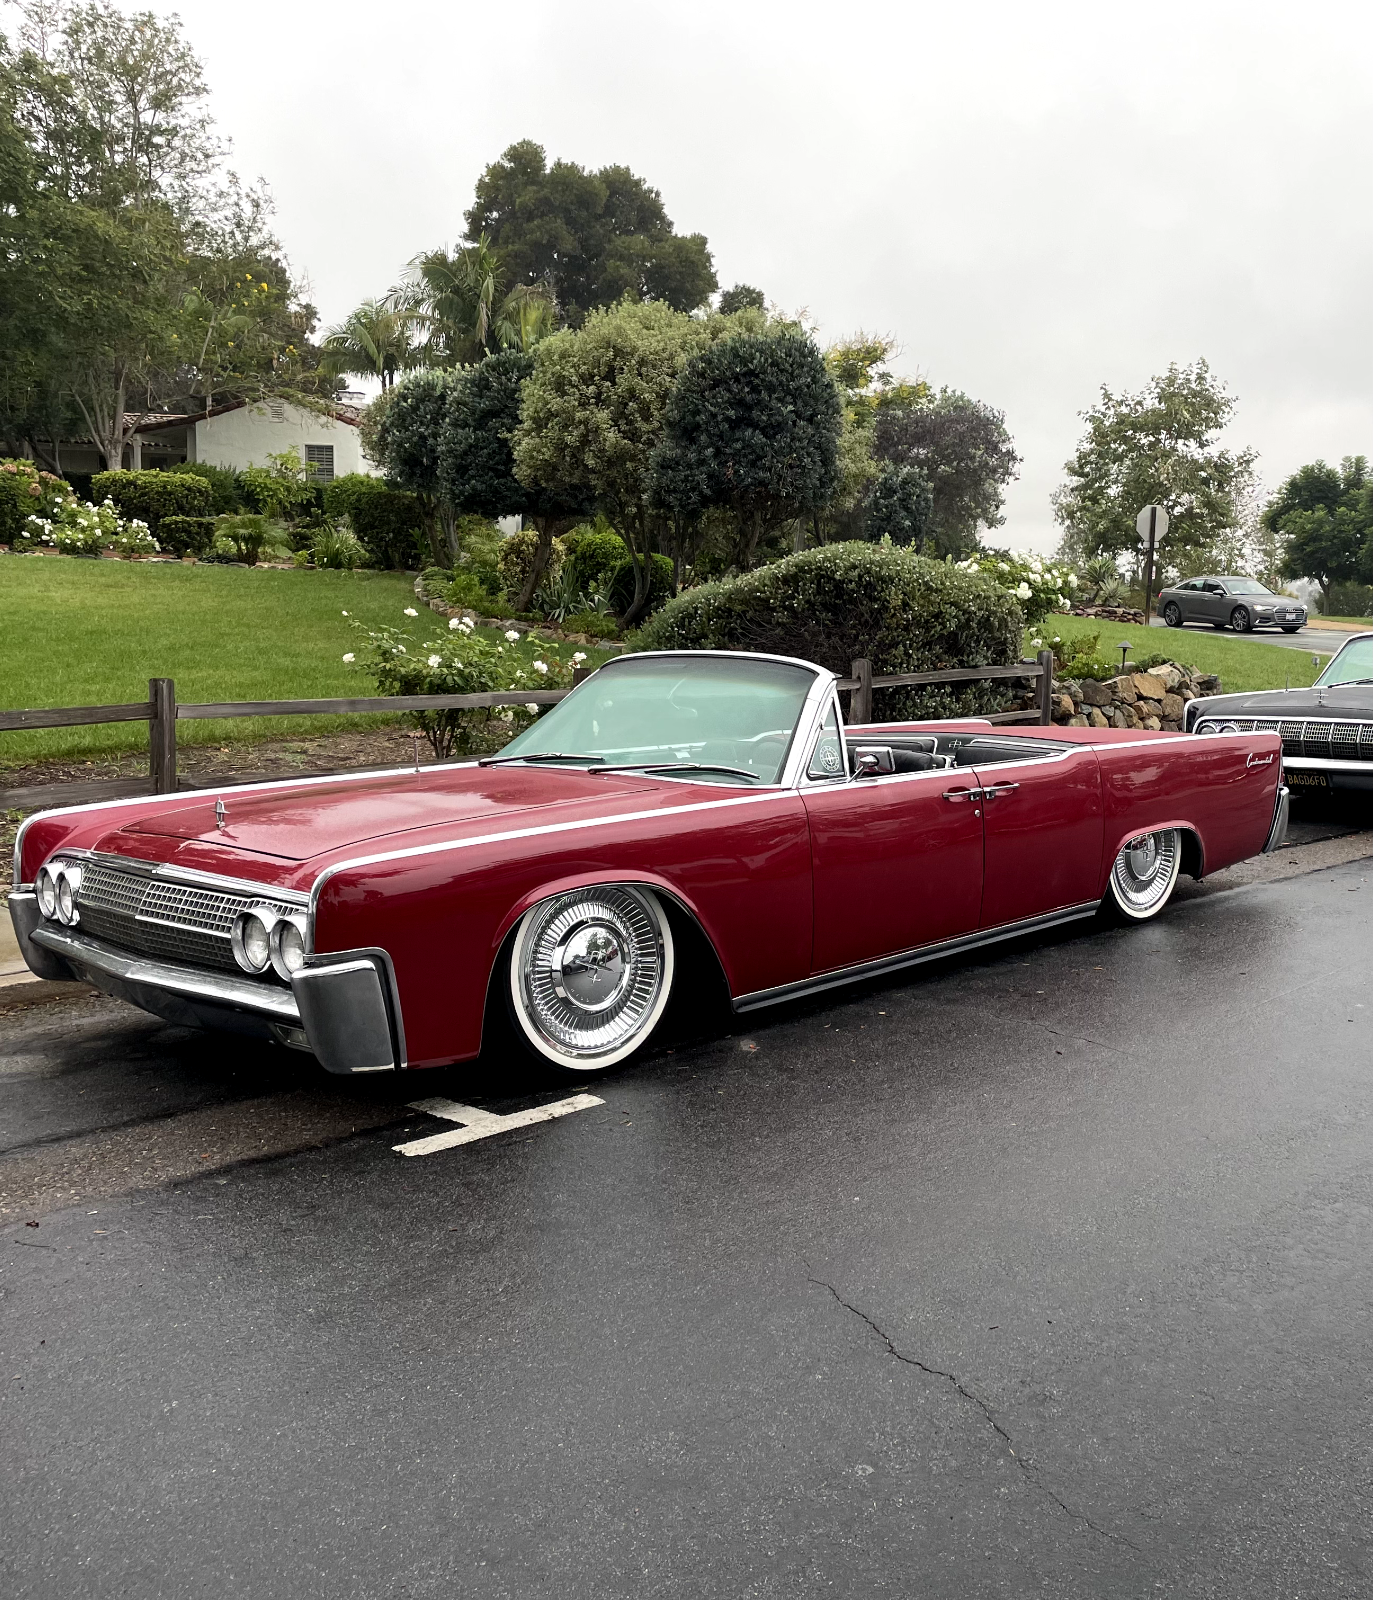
1326	730
1239	603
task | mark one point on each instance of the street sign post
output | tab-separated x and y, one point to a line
1151	525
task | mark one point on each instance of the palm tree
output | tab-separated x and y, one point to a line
372	341
459	302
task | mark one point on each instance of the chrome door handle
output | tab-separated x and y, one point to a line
998	789
962	794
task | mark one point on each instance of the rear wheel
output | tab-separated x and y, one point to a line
1144	874
1239	620
590	974
1171	615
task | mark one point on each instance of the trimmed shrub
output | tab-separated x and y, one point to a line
153	494
621	584
26	491
465	589
903	612
186	536
479	552
388	521
593	553
226	488
517	557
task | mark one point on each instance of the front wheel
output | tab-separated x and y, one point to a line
1239	620
591	973
1144	874
1171	615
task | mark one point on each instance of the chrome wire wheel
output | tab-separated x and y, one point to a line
1144	873
590	974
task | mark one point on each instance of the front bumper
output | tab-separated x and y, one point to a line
1326	772
342	1007
1281	811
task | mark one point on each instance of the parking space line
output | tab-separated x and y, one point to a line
475	1124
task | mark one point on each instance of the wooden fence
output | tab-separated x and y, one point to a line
162	711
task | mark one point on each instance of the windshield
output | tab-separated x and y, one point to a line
1246	586
1353	664
665	711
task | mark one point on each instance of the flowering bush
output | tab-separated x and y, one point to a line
74	528
26	490
457	661
1038	586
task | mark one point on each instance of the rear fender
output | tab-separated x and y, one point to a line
1193	846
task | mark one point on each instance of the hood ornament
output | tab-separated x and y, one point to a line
221	812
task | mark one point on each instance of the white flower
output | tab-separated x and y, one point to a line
578	657
435	661
511	635
532	709
454	622
1037	643
411	612
1072	580
1022	591
350	656
466	624
345	613
400	649
506	716
540	667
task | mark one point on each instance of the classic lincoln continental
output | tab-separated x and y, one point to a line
694	801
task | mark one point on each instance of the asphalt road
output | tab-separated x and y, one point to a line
1045	1274
1318	641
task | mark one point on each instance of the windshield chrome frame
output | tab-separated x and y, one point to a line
804	731
1321	681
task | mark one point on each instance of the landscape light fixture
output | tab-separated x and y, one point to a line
1125	647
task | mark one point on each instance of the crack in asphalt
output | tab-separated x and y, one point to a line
1078	1038
1029	1471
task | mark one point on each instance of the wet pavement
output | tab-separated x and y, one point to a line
1047	1274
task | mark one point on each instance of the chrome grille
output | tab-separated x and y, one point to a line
1315	736
151	916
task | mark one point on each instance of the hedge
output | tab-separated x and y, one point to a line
186	536
152	494
517	551
226	488
903	612
388	521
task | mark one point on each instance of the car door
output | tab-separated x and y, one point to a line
896	862
1213	608
1043	835
1187	598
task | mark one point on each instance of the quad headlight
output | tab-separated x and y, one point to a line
57	886
1208	727
262	937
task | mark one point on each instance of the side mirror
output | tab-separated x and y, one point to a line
873	760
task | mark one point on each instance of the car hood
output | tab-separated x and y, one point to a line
1339	703
312	819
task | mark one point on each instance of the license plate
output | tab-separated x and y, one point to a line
1308	780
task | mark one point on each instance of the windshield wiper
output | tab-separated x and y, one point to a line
680	766
540	755
1344	683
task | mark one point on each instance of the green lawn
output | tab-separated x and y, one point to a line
76	633
1364	624
1241	664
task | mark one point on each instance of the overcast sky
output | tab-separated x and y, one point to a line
1033	200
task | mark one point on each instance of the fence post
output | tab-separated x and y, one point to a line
578	673
860	698
162	735
1046	686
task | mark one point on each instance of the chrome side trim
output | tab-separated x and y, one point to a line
237	994
911	958
541	831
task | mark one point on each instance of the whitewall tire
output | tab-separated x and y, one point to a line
591	973
1144	874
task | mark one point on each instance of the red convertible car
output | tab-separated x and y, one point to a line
699	804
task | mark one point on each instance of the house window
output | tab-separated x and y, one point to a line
320	459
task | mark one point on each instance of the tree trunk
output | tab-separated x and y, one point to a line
638	607
539	565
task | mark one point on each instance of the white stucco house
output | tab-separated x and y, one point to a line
245	433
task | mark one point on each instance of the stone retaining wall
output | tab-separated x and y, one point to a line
1154	699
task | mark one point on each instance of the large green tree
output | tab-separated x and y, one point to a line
404	442
462	304
963	449
593	415
477	461
1324	516
752	427
1156	447
590	237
